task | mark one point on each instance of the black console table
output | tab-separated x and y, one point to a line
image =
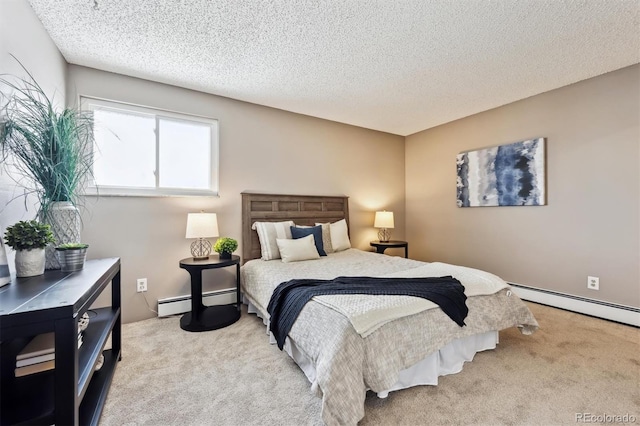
73	392
204	318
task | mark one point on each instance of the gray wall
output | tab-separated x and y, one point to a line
22	35
591	223
261	149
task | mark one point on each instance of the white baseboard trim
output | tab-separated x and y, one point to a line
597	308
182	304
610	311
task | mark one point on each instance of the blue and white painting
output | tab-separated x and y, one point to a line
505	175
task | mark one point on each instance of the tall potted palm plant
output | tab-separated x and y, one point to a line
51	152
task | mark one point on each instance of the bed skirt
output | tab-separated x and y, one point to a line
447	360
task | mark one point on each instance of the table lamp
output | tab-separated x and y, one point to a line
201	225
384	221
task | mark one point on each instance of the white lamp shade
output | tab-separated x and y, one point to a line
202	225
383	219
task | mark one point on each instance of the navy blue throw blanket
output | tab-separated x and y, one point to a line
290	297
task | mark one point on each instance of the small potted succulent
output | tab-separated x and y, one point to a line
225	246
72	256
29	238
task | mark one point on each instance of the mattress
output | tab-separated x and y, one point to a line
346	363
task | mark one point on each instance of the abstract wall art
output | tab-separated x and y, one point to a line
505	175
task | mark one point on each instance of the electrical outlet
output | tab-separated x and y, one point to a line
142	285
593	283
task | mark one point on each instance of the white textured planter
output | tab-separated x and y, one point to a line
30	263
66	225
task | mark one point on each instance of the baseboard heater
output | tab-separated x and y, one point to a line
181	304
582	305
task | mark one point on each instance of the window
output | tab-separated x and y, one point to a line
142	151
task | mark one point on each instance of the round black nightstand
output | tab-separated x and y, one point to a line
381	246
203	318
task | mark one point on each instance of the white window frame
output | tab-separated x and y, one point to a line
89	103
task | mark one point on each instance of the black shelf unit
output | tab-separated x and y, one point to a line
73	392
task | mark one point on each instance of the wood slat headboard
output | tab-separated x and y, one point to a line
302	209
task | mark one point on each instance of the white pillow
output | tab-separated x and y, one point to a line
296	250
339	235
268	232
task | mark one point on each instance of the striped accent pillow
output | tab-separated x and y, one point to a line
326	237
338	234
267	234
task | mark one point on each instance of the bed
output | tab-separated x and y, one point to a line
342	352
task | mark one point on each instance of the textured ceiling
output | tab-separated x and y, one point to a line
397	66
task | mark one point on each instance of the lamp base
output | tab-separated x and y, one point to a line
384	235
200	249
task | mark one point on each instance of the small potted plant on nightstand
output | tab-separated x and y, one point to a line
72	256
225	246
29	238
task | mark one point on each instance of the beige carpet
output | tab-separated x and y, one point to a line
233	376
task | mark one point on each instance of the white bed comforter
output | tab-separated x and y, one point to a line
347	364
368	313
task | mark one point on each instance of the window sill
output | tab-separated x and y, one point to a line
104	191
